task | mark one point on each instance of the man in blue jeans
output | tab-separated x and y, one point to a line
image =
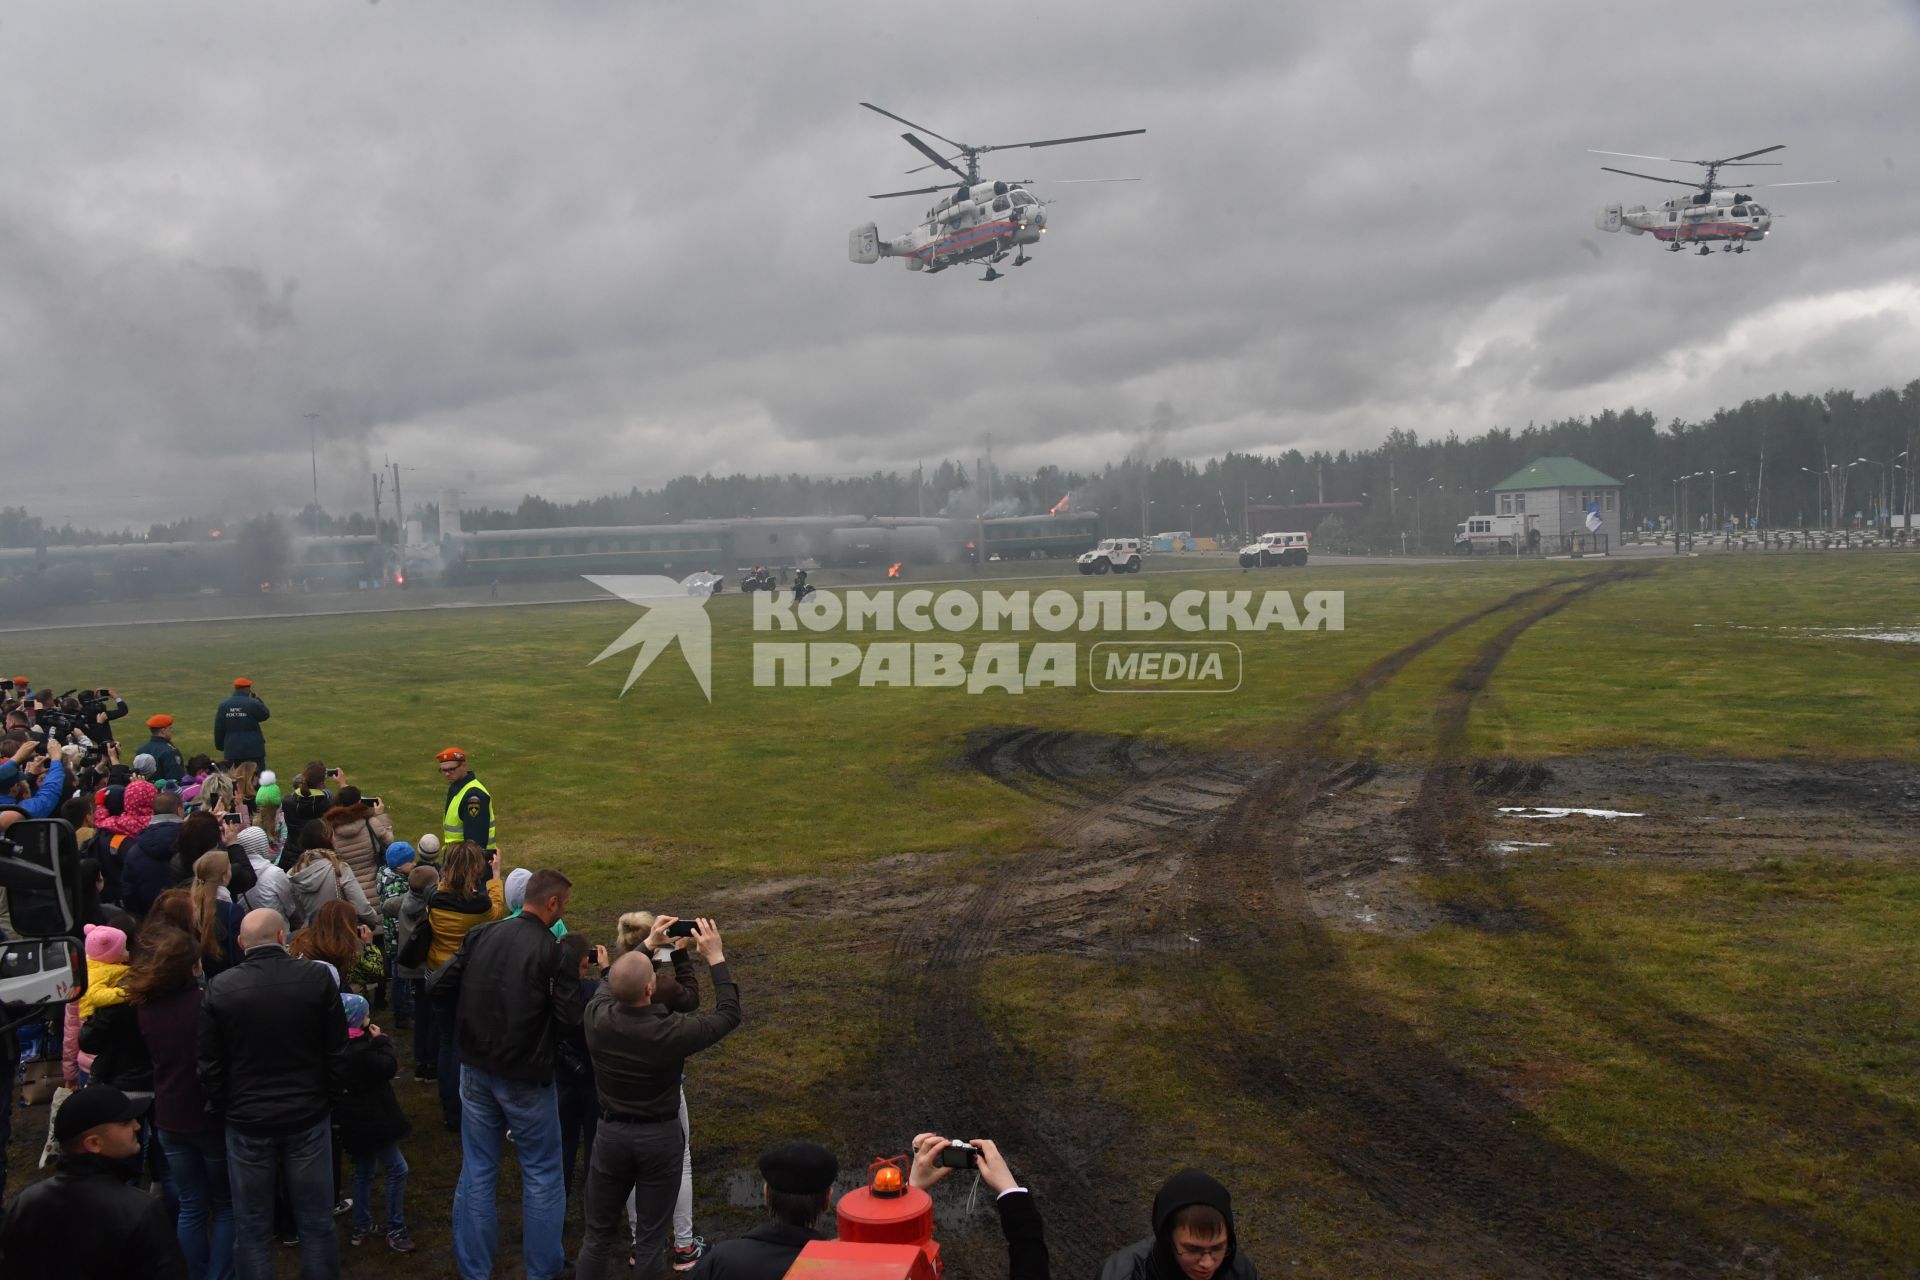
516	996
271	1045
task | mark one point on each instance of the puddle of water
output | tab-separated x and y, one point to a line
1884	634
1553	811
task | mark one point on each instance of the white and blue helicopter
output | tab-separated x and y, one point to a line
977	220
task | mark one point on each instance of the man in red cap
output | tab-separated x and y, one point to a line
236	726
469	805
168	764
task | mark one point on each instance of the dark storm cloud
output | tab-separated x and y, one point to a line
527	248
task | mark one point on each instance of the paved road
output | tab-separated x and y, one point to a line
215	607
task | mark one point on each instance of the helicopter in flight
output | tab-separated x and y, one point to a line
977	220
1729	217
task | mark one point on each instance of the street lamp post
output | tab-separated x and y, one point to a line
1818	501
1875	501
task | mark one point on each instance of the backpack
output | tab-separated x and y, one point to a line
416	941
243	880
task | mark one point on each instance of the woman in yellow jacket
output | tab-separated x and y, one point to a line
470	894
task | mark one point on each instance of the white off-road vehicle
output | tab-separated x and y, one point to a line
1113	555
1274	548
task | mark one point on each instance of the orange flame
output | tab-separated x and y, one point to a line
1061	506
893	570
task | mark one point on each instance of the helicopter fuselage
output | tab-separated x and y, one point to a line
982	222
1724	217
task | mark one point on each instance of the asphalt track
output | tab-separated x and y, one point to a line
338	604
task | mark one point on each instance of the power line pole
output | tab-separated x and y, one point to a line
313	458
377	478
400	522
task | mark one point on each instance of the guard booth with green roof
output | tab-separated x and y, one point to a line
1555	495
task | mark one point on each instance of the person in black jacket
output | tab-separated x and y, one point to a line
514	994
85	1221
271	1046
371	1126
639	1055
1192	1236
146	861
797	1188
1027	1257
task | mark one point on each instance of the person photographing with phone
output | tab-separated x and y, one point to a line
639	1050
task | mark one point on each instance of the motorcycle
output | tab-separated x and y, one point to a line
761	579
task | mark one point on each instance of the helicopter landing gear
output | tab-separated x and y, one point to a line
1021	259
1705	249
1674	246
1739	248
990	276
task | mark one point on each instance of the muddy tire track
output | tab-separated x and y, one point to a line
1460	1165
1445	823
1458	1162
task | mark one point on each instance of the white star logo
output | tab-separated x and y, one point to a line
674	611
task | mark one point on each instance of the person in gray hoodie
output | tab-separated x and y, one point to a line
320	876
272	890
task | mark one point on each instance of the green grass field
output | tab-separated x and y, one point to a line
1670	1026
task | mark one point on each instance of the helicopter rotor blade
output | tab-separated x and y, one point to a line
917	191
1067	180
1678	182
1778	146
933	155
1635	155
1061	142
924	167
1816	182
911	125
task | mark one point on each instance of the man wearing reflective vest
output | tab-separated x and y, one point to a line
469	806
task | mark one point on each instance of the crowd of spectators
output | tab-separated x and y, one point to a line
226	1090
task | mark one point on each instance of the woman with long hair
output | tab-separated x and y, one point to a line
173	908
216	920
336	937
320	877
470	893
166	1001
360	834
246	781
196	834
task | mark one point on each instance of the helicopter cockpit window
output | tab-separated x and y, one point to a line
1022	198
1739	211
1000	204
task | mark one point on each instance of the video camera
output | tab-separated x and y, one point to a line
40	870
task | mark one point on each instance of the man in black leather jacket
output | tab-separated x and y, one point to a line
85	1220
516	995
271	1047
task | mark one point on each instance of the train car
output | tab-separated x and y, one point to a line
517	554
1041	537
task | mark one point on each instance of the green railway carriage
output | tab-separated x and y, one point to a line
1041	537
513	554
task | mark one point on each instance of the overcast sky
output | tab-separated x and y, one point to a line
568	248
